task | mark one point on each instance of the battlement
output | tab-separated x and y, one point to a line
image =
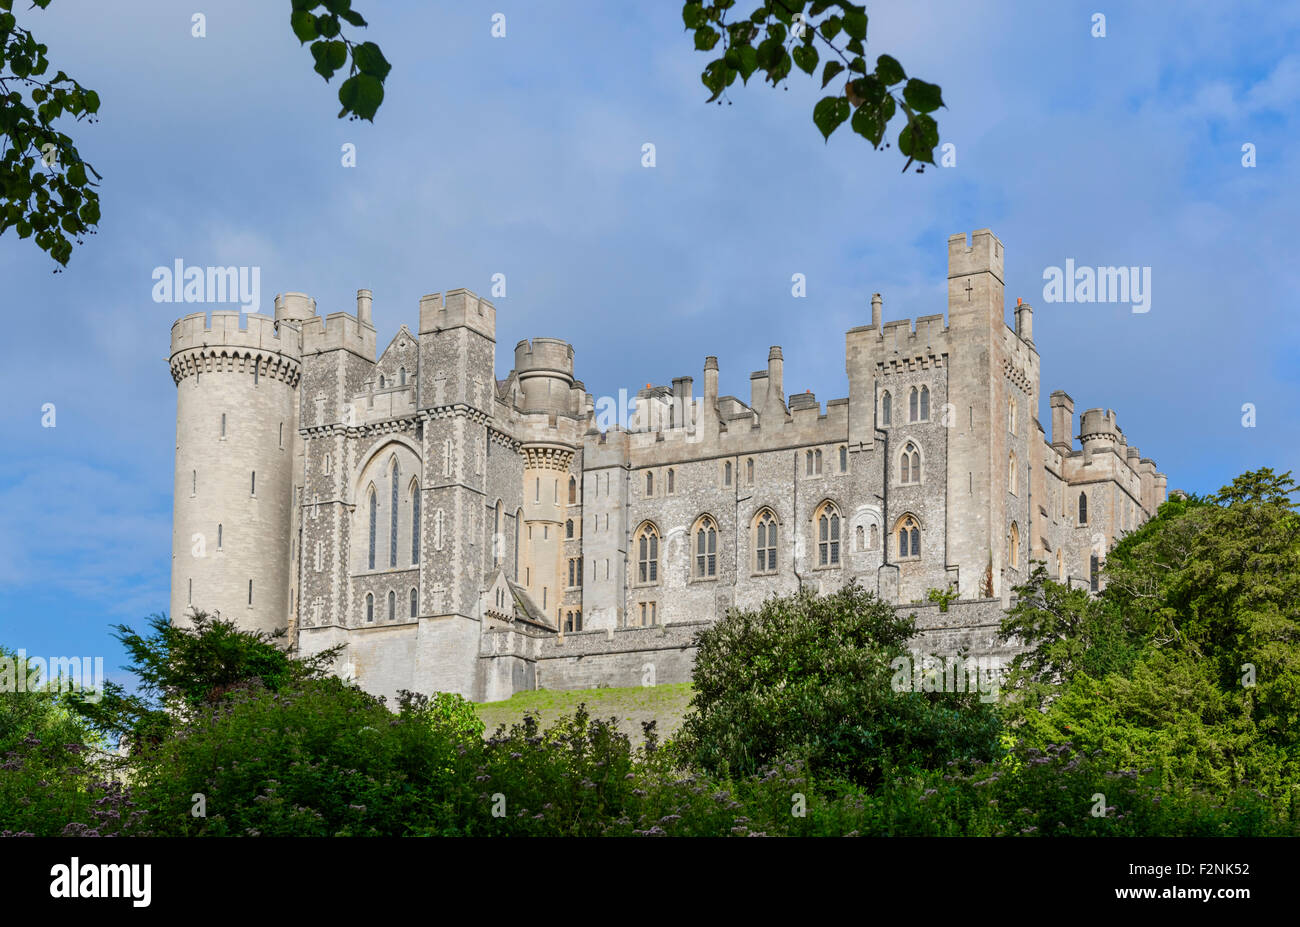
294	307
1099	424
230	328
982	253
338	332
544	355
455	309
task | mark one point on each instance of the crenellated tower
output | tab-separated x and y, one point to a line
236	421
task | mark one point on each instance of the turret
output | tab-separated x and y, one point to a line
1098	432
545	370
877	308
236	424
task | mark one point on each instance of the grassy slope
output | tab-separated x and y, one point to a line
666	704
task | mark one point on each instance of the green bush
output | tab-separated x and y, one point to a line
810	677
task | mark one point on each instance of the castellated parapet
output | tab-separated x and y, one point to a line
460	532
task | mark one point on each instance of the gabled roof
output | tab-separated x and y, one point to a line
523	608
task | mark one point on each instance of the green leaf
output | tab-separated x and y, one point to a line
77	174
715	78
921	96
918	138
354	18
830	27
855	23
328	26
370	60
870	120
361	95
829	113
889	70
748	61
330	56
304	26
805	56
706	37
828	74
693	15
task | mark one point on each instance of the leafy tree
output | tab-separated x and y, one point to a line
1188	663
184	666
783	34
811	676
38	715
46	188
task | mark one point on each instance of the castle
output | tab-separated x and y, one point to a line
464	533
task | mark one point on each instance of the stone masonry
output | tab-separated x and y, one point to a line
464	533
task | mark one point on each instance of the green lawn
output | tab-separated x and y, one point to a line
666	704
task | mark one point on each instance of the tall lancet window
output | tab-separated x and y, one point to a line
415	523
392	531
374	517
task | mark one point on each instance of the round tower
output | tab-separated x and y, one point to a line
545	367
236	425
1098	431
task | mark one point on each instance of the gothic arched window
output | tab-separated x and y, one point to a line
573	490
647	551
706	548
392	531
886	408
568	528
415	599
909	537
765	542
827	522
370	606
1083	508
1013	475
749	471
392	605
909	465
1013	547
925	403
913	405
672	481
650	484
374	515
415	523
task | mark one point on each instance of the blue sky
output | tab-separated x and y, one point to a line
522	156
